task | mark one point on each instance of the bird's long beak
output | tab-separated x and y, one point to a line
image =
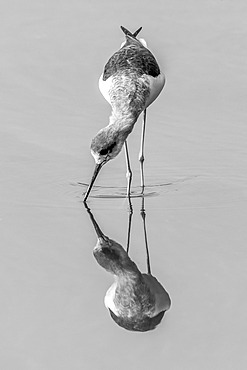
95	174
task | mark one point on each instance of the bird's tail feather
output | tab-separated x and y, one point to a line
128	33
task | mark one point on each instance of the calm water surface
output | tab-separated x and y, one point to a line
52	290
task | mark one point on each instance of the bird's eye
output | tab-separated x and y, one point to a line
103	151
107	150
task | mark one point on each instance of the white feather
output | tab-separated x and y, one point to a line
109	298
104	87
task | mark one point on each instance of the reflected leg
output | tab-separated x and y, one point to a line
143	215
129	225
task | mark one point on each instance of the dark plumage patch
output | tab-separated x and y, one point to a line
110	253
107	149
133	56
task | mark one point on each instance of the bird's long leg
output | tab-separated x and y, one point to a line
141	154
143	215
129	172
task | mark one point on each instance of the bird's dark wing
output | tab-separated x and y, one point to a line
132	56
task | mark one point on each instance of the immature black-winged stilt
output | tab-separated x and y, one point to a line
136	301
131	81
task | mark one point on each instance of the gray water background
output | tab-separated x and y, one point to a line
52	290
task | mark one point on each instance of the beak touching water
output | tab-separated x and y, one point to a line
95	174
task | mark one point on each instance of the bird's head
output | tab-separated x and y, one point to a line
111	256
106	145
109	253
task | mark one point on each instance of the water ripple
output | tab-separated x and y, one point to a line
112	192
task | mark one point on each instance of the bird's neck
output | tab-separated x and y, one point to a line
129	279
122	122
128	282
127	270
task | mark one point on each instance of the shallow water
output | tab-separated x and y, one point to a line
52	290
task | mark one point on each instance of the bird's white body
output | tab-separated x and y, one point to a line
156	84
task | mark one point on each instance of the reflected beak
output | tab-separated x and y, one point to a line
95	174
99	233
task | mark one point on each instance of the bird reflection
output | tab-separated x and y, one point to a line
136	301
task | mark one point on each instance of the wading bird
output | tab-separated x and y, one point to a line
131	81
136	301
